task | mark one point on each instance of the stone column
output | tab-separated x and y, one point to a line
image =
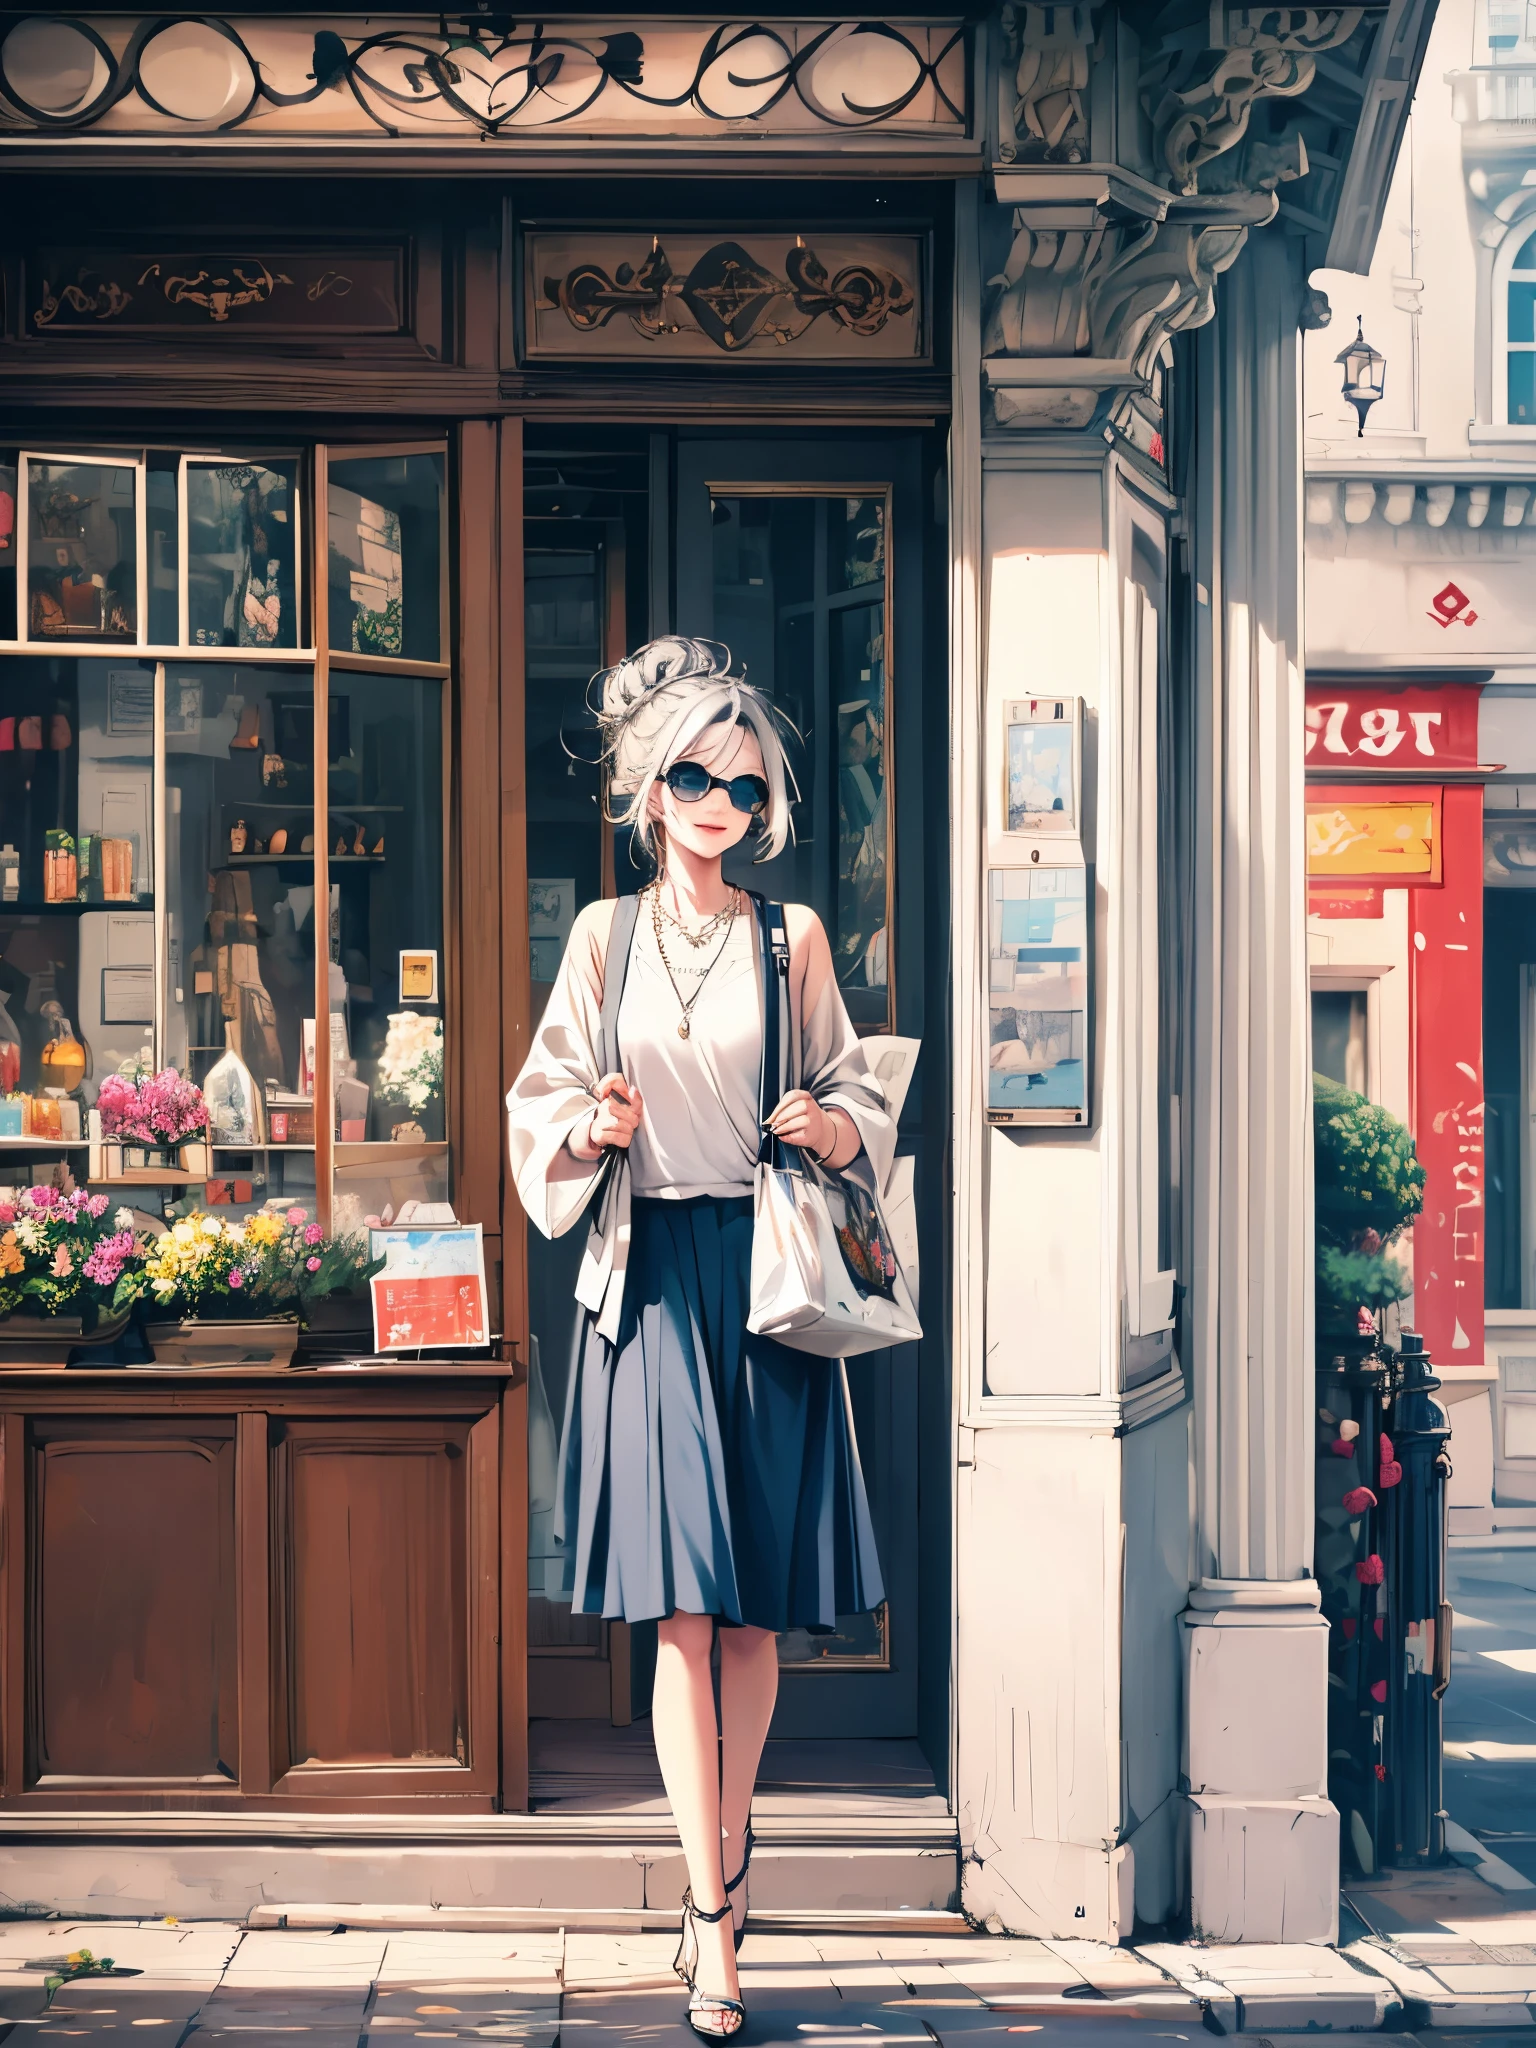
1263	1835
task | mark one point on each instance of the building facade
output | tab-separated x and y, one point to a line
366	385
1420	530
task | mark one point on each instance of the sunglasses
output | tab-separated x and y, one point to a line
691	781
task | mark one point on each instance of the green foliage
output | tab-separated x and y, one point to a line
1367	1172
1351	1280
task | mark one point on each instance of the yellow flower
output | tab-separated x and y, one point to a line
263	1228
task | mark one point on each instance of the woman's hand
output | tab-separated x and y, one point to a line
615	1120
800	1120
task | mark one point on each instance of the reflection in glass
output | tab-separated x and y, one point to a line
82	551
240	933
162	490
563	587
7	546
386	864
76	876
384	549
799	597
240	554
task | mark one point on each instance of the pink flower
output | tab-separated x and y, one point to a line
97	1204
7	1213
44	1197
237	1278
297	1215
313	1265
106	1262
314	1234
63	1264
1365	1323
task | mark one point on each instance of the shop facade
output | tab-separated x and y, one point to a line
366	386
1419	548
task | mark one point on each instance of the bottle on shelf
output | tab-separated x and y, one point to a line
63	1056
10	1049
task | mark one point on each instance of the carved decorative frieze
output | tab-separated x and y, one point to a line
75	291
1049	50
846	298
1200	99
1076	315
223	75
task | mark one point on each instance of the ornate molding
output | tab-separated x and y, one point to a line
219	75
1200	100
593	294
1049	50
1079	314
147	290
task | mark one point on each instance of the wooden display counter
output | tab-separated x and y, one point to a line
250	1589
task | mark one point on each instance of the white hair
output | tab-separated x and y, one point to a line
657	704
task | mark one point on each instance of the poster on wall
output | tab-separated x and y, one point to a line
1037	996
1041	765
431	1295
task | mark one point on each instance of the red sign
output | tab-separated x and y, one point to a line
1446	968
1451	606
1377	725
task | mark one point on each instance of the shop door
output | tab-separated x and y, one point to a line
806	559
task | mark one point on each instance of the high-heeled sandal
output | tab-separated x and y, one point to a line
739	1934
700	2002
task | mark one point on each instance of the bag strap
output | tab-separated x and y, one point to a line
621	936
773	952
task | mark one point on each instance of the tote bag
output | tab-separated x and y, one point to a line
825	1276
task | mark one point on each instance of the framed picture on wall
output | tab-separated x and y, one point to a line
1042	766
1037	996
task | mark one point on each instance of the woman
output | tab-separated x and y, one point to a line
709	1479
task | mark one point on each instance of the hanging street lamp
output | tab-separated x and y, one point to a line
1365	374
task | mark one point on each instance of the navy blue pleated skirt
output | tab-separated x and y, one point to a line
703	1469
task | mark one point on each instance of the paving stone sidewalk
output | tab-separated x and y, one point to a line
1419	1954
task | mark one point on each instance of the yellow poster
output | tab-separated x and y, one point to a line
1372	838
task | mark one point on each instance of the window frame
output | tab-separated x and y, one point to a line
1520	237
316	658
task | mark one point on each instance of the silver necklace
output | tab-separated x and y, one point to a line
685	1004
706	931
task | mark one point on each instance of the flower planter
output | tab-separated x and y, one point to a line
338	1325
50	1340
197	1340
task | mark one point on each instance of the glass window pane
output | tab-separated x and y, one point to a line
386	944
856	543
82	551
240	928
385	554
858	688
1522	311
161	488
799	597
1339	1036
1522	387
8	545
241	541
76	896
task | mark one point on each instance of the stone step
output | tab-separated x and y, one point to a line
200	1866
597	1920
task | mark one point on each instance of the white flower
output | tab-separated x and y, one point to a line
123	1220
28	1234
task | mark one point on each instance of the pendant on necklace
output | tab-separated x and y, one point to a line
682	1029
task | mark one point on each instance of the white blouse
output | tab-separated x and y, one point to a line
699	1135
700	1092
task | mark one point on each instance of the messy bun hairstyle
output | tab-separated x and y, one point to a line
658	704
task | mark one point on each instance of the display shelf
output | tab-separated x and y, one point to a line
45	1144
374	1152
71	906
245	1151
150	1177
256	860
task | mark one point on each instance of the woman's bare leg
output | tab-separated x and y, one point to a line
688	1749
749	1685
